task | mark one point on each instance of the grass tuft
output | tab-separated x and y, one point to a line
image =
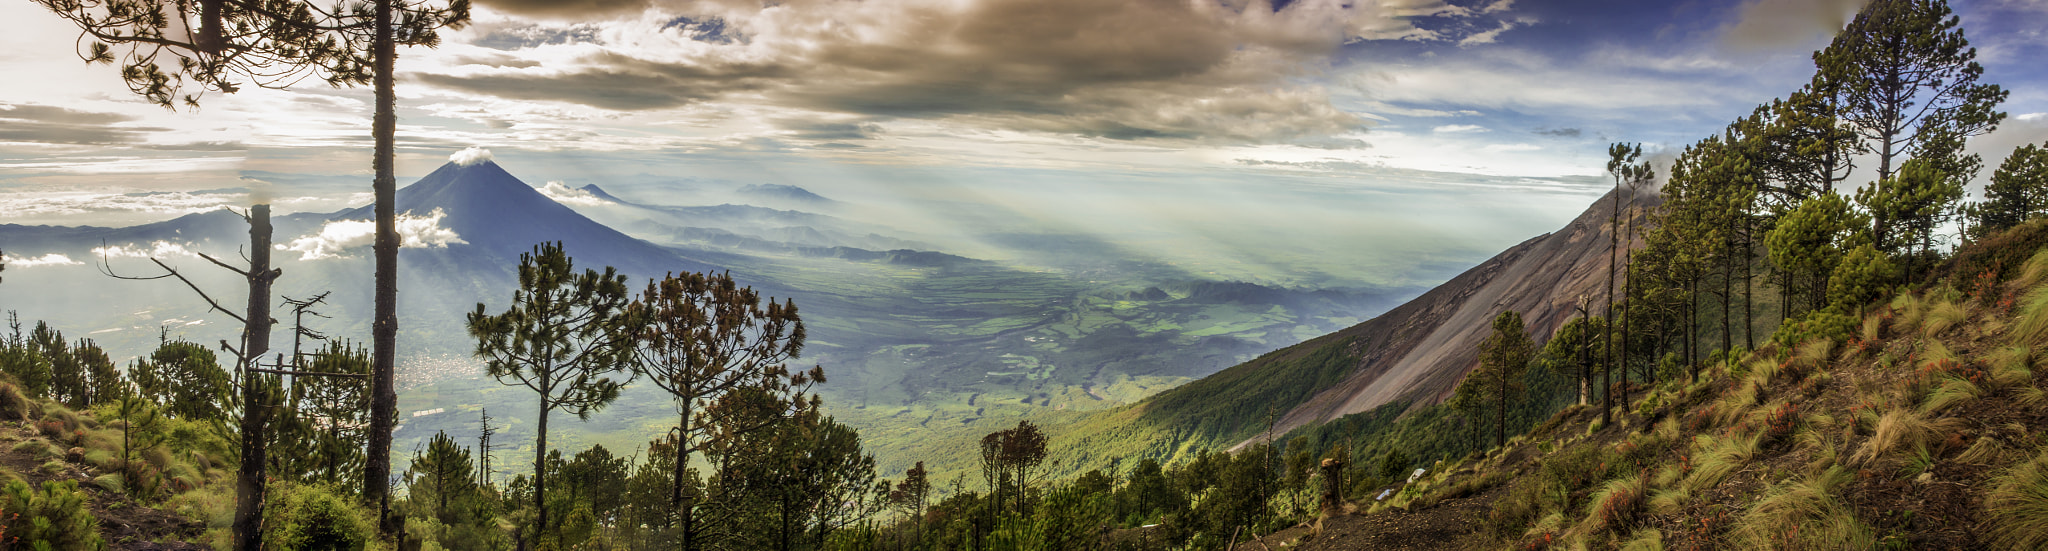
1986	451
1804	515
1952	392
2011	365
2030	325
1941	317
2034	272
2016	509
1717	457
1616	506
1645	540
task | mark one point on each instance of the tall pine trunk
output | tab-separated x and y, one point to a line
384	323
540	477
1607	329
1748	275
688	512
255	343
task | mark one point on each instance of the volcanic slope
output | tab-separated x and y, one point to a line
1923	426
1415	353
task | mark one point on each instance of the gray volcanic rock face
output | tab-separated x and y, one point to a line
1420	350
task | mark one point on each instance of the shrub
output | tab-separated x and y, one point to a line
55	517
1819	324
2016	509
314	517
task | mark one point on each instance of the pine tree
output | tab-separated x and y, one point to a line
1571	350
1904	69
2018	191
565	337
1502	358
703	336
1809	242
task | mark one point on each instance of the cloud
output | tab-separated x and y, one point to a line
33	123
1232	71
335	238
829	131
66	203
470	156
573	9
1487	37
1560	132
52	259
1776	24
1458	128
1511	147
570	196
157	249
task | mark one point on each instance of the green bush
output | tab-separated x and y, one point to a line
54	517
1817	324
315	517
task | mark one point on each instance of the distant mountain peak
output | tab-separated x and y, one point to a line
785	193
599	193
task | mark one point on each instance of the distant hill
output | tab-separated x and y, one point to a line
783	194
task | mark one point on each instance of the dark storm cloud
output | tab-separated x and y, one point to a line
1114	69
619	82
566	9
830	131
59	125
1772	24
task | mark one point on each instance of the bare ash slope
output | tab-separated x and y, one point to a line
1423	348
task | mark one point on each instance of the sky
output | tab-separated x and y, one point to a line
1414	136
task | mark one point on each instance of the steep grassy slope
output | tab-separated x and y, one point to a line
1925	427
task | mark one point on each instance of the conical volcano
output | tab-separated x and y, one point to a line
501	217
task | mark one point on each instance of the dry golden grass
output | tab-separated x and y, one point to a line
2016	509
1900	429
1804	515
2033	273
1950	393
1942	316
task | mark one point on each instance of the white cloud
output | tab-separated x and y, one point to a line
570	196
68	203
159	249
52	259
1512	147
1457	128
337	237
470	156
1487	37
